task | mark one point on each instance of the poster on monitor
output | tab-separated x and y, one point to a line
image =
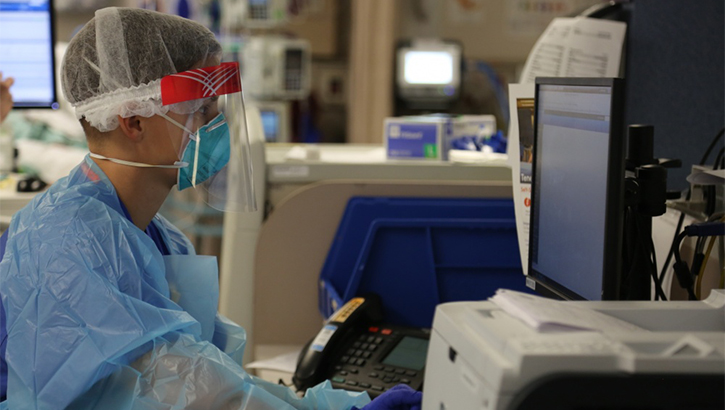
521	156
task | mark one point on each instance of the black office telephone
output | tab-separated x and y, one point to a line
357	352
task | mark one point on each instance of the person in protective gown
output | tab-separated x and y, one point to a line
104	303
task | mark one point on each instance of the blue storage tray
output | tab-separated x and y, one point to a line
418	252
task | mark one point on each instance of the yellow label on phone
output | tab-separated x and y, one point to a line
341	315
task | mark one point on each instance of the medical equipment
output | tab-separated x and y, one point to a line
257	14
276	68
481	357
275	120
428	73
26	47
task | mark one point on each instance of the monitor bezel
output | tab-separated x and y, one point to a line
614	212
54	104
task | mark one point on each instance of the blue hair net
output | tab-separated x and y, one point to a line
91	323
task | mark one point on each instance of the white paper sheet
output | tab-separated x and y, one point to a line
710	177
283	363
547	315
576	47
520	154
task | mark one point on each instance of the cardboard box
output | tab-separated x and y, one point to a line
430	137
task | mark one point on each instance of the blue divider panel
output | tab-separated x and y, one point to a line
418	252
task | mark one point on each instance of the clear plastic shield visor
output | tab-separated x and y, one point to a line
207	124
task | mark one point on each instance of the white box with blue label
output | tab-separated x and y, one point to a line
431	137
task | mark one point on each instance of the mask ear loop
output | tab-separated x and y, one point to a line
196	159
191	136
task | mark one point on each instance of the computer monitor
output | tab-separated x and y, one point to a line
26	52
275	120
575	245
428	71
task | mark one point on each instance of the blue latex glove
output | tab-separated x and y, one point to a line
400	397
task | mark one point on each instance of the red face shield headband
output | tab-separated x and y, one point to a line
201	83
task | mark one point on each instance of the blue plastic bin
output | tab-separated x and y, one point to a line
418	252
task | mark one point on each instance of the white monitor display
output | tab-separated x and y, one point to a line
428	67
26	51
428	72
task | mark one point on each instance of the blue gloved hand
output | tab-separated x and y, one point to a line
400	397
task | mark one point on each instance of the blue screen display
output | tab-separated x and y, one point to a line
26	47
270	123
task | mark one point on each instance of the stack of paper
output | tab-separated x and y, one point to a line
547	315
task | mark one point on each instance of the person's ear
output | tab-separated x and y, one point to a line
132	127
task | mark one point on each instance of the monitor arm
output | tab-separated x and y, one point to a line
645	197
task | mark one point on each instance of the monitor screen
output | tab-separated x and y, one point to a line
270	123
577	191
26	51
428	67
428	74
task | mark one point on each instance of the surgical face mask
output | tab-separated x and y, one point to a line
206	153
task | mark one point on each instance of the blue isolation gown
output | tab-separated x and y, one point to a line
91	322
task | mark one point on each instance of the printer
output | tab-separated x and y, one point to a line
482	358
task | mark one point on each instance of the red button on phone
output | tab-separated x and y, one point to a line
373	329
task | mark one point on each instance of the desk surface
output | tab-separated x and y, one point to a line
287	163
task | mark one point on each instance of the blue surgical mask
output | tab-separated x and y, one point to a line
206	153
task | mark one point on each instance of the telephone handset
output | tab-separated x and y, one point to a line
356	352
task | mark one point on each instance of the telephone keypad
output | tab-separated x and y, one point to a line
361	365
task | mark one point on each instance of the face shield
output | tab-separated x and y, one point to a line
207	125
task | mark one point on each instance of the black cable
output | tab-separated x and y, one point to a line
672	247
700	245
651	257
682	272
659	292
719	158
712	145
